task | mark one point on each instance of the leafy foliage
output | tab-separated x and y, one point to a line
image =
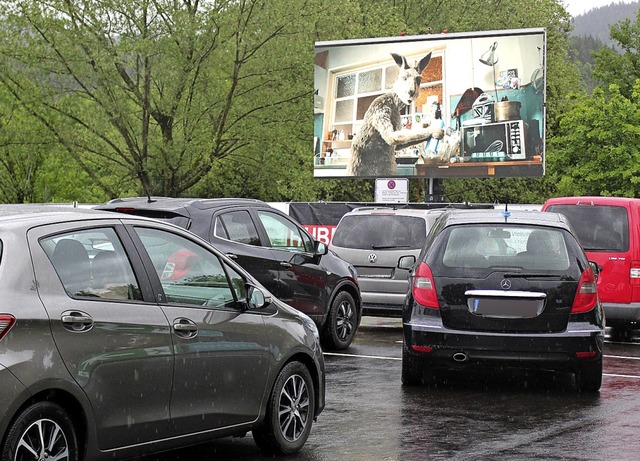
174	97
620	68
598	143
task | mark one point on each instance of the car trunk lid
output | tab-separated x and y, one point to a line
507	302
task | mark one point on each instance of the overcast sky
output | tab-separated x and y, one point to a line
576	7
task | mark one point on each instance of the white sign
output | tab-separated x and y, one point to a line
392	190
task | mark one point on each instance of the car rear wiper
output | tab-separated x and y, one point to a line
387	247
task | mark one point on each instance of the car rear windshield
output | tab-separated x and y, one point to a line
380	232
520	248
599	227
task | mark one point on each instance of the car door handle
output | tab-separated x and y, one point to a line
185	327
76	321
232	256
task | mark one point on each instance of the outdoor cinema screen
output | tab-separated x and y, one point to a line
431	106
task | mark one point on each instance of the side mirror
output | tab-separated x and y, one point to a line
406	262
596	269
256	298
320	249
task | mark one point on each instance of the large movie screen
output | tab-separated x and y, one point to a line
431	106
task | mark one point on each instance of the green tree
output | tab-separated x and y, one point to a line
582	49
22	152
150	94
214	98
596	150
620	68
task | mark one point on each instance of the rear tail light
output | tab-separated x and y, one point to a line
6	322
586	354
426	349
424	288
587	293
634	273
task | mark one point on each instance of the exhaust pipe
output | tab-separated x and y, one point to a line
460	357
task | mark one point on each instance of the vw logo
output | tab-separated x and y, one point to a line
373	258
505	284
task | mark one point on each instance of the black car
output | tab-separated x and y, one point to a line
275	249
498	289
111	350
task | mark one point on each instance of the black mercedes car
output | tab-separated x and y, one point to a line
499	289
272	247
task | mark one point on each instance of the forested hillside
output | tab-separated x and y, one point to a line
591	32
596	22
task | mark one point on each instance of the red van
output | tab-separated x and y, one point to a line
609	230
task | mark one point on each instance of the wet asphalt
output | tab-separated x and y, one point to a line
499	416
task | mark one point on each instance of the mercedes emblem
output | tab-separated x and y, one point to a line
505	284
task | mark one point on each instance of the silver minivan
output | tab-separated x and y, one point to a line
372	239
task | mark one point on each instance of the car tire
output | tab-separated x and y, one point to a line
412	368
589	377
290	412
342	322
42	421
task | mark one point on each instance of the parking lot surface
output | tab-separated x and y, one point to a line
514	416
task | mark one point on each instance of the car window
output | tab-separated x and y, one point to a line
284	234
522	247
92	263
236	226
189	274
380	231
598	228
238	283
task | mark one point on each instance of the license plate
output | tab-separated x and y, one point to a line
374	272
505	306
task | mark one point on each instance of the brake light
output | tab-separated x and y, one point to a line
424	288
586	354
6	322
426	349
587	293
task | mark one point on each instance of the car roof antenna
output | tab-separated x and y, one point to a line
506	213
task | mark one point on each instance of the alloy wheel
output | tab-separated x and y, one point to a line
43	440
293	409
345	320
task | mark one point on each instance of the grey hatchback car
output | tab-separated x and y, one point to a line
121	335
373	239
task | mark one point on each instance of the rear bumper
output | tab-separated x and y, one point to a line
382	304
457	348
384	297
622	314
382	310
